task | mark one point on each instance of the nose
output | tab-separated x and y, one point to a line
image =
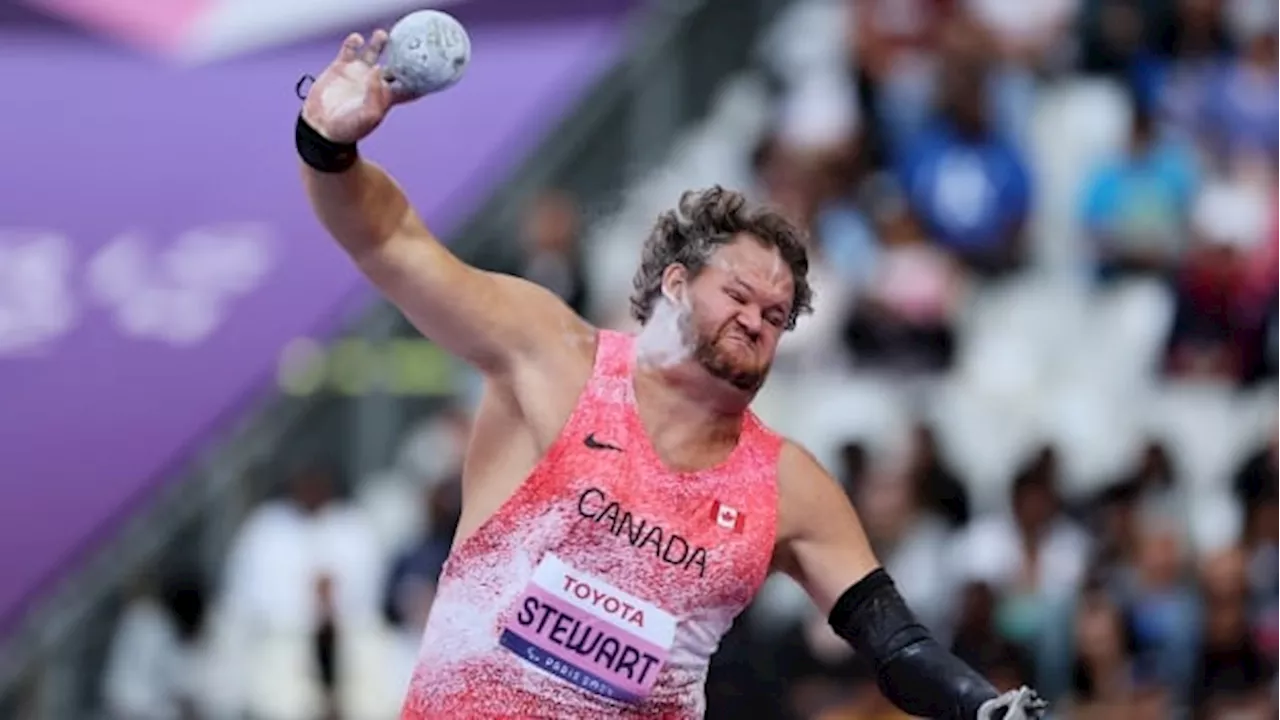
750	320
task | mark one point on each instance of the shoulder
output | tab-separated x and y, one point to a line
793	462
928	146
805	488
568	350
796	461
1004	151
1104	175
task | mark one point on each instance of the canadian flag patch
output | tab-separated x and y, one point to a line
729	518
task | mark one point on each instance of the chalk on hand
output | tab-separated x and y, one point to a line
427	51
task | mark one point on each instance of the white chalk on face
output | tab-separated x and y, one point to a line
666	339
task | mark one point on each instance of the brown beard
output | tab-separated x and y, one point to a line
720	365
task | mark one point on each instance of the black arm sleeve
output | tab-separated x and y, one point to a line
912	669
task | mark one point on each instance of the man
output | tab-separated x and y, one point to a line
964	179
621	505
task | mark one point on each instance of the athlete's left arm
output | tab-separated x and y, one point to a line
822	546
821	543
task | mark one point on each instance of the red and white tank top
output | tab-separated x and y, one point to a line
602	587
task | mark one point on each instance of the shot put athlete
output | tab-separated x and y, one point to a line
621	503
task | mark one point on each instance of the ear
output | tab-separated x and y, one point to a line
675	282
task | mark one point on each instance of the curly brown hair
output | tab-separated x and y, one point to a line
703	221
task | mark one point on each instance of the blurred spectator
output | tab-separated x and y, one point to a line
552	257
941	490
1177	75
1217	321
1262	554
978	642
1104	678
154	667
902	318
1232	673
415	573
969	185
434	448
1161	600
1026	35
1115	512
1136	206
894	45
1114	518
1259	475
411	584
299	626
911	543
1154	476
1028	38
1114	33
1033	557
1242	107
854	465
422	563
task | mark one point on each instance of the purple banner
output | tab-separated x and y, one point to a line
157	252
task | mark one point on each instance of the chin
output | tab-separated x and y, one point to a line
733	363
744	379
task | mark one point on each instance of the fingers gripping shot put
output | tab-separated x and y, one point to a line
621	503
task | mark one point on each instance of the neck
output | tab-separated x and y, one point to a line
687	403
1032	535
1108	681
688	429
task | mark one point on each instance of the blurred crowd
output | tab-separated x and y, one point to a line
910	151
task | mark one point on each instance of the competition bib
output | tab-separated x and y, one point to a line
582	629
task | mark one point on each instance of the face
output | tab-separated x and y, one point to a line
444	507
552	223
311	491
1098	632
1264	522
977	606
1035	506
1160	552
885	504
1262	51
1224	575
739	306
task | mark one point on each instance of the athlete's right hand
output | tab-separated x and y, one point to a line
351	97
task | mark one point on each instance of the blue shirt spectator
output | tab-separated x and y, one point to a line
421	563
969	186
1135	206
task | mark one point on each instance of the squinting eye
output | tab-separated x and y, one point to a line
737	297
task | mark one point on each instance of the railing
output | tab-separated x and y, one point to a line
680	52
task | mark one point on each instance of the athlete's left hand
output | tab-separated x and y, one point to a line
1020	704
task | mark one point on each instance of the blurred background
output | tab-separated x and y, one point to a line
1043	362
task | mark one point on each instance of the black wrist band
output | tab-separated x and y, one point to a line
321	153
913	671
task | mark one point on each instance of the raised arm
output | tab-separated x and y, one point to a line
821	544
491	320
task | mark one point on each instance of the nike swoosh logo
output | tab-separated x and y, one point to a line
591	442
